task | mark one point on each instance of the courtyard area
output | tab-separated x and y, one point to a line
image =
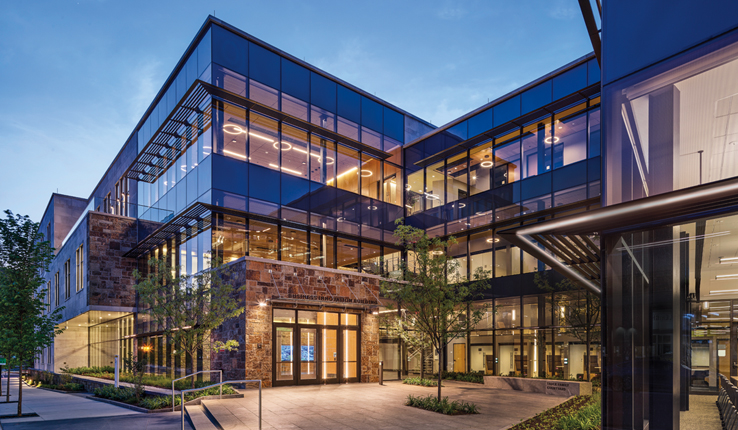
371	406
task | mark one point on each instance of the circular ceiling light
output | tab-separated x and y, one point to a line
366	173
487	164
462	205
372	208
549	139
493	240
408	186
436	253
285	146
233	129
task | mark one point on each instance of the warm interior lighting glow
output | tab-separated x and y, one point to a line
487	164
235	154
493	240
285	169
732	276
366	173
728	260
343	174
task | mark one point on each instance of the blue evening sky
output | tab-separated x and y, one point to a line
76	76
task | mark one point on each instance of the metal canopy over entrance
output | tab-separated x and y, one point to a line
569	240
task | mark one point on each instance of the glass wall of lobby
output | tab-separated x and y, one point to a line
681	279
518	336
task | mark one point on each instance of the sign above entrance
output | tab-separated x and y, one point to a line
329	299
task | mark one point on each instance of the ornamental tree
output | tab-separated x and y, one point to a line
432	295
24	328
187	308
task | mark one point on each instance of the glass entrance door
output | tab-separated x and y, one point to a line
329	355
284	355
308	351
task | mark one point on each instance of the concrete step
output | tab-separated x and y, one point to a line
200	419
222	412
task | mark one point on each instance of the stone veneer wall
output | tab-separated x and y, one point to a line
109	274
253	329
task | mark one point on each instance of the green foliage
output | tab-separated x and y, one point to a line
187	308
422	382
577	413
25	325
229	345
121	394
147	380
158	402
73	386
137	366
475	377
436	302
443	406
89	370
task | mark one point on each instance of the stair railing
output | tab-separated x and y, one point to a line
193	374
219	384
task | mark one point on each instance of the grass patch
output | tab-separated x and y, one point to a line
431	403
128	395
421	382
578	413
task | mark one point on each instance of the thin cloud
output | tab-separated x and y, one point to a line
563	10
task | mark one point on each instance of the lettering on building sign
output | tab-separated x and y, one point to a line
553	387
329	299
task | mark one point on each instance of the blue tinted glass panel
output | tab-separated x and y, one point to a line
394	124
434	144
323	92
349	104
414	154
460	130
263	65
229	200
538	96
230	174
480	123
570	82
191	67
593	72
569	176
230	50
371	114
295	192
295	80
203	53
536	186
507	110
323	197
264	183
593	169
204	175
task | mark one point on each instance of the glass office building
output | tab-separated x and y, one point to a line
620	179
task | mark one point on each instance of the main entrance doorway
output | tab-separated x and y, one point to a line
315	347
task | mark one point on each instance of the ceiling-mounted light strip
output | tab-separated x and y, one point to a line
258	136
235	154
284	169
343	174
722	292
728	260
725	277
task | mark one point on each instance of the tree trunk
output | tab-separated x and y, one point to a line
422	363
193	366
20	385
7	387
440	372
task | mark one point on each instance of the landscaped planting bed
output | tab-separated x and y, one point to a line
578	413
431	403
421	382
107	372
128	395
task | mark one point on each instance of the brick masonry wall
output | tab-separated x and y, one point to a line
110	275
253	329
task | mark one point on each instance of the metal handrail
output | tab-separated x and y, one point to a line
193	374
247	381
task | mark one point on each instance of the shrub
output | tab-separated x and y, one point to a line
587	418
431	403
122	394
157	402
71	386
475	377
422	382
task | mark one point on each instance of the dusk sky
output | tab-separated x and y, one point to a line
78	75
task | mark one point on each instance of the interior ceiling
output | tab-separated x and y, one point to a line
721	242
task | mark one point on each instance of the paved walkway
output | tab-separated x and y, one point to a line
371	406
52	406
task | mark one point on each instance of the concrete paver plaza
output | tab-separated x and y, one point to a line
371	406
